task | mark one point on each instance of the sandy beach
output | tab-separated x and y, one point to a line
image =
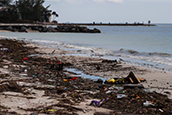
40	99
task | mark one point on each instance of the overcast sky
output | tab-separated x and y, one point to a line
114	11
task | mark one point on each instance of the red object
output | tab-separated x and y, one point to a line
74	78
25	59
59	62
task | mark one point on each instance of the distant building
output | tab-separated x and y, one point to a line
48	16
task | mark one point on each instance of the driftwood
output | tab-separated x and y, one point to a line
133	86
23	96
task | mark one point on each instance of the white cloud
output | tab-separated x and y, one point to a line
53	0
71	1
116	1
98	0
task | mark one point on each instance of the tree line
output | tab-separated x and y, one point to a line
24	11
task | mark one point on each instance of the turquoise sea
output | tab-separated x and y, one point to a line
140	45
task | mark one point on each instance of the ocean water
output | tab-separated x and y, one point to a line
139	45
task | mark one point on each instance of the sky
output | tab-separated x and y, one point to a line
113	11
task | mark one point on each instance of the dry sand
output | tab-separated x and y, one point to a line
5	31
27	30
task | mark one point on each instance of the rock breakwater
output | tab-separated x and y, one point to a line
40	28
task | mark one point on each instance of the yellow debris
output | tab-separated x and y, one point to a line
111	80
52	110
65	80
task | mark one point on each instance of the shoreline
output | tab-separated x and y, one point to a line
158	80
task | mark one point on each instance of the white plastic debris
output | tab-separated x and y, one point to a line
111	91
23	74
5	67
3	48
161	110
147	103
25	70
119	96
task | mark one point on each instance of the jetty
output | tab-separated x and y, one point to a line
107	24
46	27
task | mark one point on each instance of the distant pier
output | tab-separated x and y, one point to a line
72	24
107	24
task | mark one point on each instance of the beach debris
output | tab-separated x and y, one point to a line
120	96
25	70
131	78
53	51
23	74
65	80
25	59
52	110
148	103
34	114
167	92
40	79
133	86
60	66
110	61
111	81
103	113
161	110
74	78
110	91
99	81
95	103
3	48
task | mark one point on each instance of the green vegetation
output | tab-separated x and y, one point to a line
24	11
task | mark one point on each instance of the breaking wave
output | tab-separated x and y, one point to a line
134	52
157	59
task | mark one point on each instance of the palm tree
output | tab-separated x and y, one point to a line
5	2
31	9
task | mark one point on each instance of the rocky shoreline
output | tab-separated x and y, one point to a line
35	85
41	28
